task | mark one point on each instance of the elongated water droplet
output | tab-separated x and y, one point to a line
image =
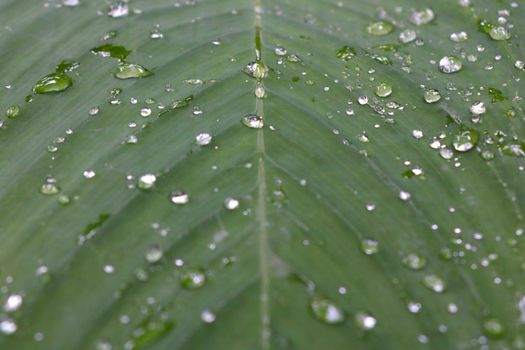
179	197
54	82
253	121
327	311
379	28
111	50
131	71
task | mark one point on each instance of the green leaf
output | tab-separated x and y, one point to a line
296	174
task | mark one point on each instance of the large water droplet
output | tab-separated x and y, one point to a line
112	50
54	82
257	70
499	33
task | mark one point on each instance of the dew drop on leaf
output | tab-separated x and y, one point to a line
231	203
203	139
450	64
380	28
257	70
465	140
118	9
179	198
132	71
414	261
207	316
327	311
369	246
8	326
13	302
153	254
432	96
407	36
383	90
193	279
493	328
54	82
147	181
12	111
365	321
422	17
346	53
253	121
434	283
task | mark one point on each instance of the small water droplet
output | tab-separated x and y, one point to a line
365	321
327	311
478	108
13	302
450	64
253	121
145	112
383	90
231	203
280	51
71	3
179	197
379	28
193	279
407	36
147	181
203	139
111	50
499	33
8	326
118	9
434	283
465	140
153	254
207	316
369	246
404	195
414	261
432	96
422	17
459	36
89	174
12	111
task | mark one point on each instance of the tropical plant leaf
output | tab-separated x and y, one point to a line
275	174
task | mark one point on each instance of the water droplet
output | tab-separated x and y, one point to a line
111	50
346	53
147	181
478	108
8	326
407	36
89	174
203	139
13	302
365	321
153	254
145	112
231	203
465	140
71	3
414	261
54	82
499	33
193	279
432	96
131	71
450	64
418	134
379	28
253	121
493	328
434	283
179	197
118	9
446	153
12	111
156	34
207	316
404	196
422	17
49	187
458	37
383	90
369	246
109	269
327	311
280	51
93	111
256	70
293	58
